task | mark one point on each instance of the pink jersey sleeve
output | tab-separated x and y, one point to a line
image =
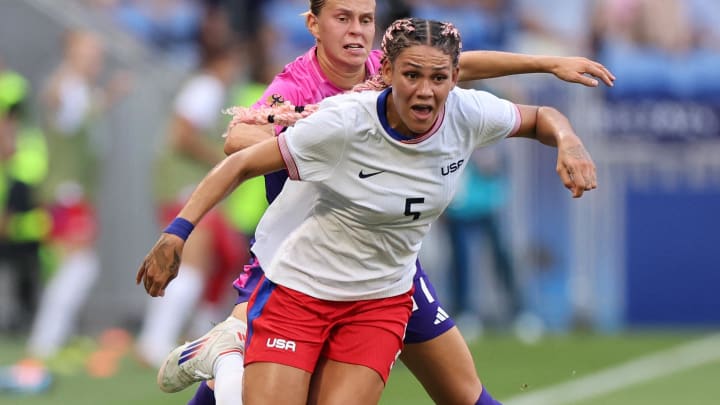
302	82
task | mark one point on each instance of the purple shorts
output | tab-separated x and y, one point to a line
427	321
248	280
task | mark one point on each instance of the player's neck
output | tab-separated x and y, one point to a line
341	75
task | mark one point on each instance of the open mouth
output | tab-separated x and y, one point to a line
353	46
422	109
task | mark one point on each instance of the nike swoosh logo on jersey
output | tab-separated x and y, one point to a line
366	175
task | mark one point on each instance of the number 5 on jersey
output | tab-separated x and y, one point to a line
408	207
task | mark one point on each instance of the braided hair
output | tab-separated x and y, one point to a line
407	32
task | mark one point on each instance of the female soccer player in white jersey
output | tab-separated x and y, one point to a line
353	257
434	352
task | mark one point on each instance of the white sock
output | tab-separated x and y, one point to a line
61	301
229	371
166	316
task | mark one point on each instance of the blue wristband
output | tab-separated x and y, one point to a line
180	227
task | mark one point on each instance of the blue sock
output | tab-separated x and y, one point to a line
486	399
203	396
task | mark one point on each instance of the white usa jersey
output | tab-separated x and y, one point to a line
375	192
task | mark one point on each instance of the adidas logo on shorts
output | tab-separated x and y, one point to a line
441	316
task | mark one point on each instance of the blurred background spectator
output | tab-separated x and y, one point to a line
664	48
170	27
24	223
552	27
484	24
283	31
476	234
72	99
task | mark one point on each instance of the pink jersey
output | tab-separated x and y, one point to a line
302	82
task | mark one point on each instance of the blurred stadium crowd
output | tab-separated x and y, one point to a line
667	48
522	255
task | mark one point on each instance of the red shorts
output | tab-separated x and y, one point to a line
291	328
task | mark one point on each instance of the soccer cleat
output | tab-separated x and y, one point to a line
195	361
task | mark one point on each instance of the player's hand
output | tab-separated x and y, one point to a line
576	168
161	265
576	69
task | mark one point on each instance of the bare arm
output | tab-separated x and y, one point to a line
550	127
185	139
243	135
476	65
162	263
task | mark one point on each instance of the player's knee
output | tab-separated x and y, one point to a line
459	391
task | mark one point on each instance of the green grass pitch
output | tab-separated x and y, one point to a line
508	367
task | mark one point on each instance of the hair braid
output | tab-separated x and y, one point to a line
407	32
284	114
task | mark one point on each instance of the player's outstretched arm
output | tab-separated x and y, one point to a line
241	136
476	65
550	127
161	264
